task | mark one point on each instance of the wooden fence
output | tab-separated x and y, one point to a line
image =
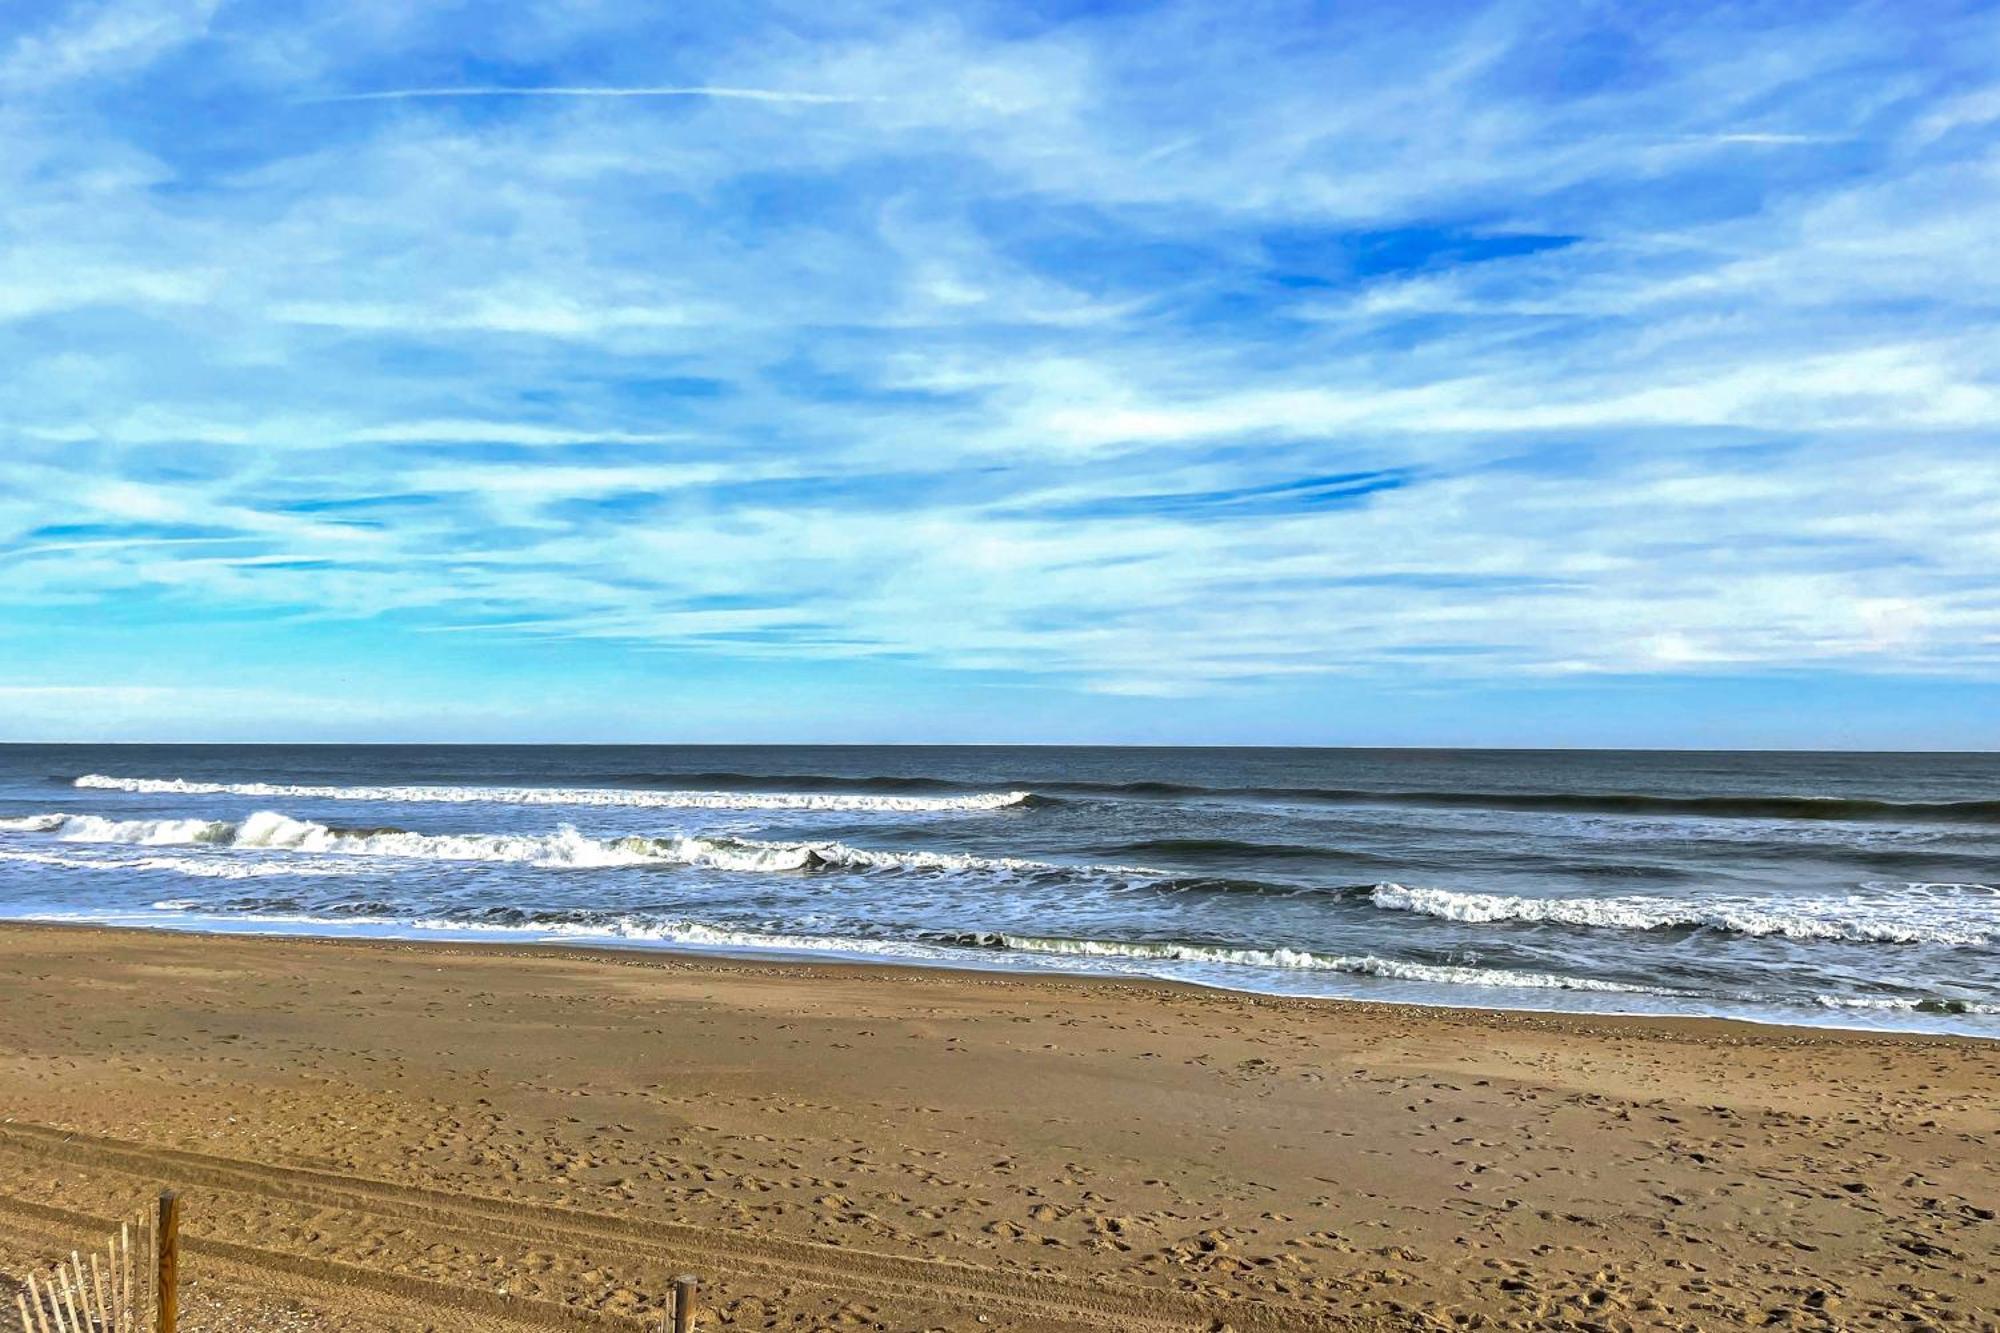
130	1284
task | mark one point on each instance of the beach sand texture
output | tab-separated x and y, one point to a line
406	1136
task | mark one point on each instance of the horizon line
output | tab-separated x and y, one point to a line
1016	745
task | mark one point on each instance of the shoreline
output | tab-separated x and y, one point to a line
1059	1152
1687	1027
1029	968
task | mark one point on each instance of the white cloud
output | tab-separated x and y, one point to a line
97	40
776	95
497	432
896	375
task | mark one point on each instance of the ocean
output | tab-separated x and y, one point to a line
1851	890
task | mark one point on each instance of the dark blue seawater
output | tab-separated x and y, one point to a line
1851	889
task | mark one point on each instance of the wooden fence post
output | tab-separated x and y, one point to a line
168	1248
685	1288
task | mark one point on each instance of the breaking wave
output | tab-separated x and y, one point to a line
1906	1004
739	791
851	802
733	781
1369	965
939	947
32	823
1845	918
565	848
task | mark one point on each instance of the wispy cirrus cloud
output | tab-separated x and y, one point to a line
1514	346
775	95
100	40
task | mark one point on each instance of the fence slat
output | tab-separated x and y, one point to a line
35	1295
129	1316
131	1283
121	1277
103	1304
82	1290
142	1307
69	1300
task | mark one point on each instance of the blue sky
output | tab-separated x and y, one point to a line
1506	373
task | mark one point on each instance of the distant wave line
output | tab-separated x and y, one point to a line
893	794
1616	803
585	796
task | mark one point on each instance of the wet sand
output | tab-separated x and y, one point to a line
402	1136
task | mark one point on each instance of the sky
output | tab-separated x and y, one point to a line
1511	373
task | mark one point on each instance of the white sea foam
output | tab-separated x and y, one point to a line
853	802
1354	964
698	935
565	848
1866	920
702	935
1086	955
144	832
31	823
197	867
1903	1004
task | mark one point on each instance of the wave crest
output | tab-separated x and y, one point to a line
565	848
1451	974
31	823
1906	1004
942	947
1799	919
851	802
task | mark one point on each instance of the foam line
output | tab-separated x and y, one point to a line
1823	918
853	802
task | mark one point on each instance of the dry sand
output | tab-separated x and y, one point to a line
403	1136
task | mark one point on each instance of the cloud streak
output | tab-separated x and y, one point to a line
1519	351
774	95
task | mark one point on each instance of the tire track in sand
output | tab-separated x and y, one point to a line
248	1267
1037	1300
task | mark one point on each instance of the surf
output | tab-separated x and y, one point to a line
631	798
1846	919
565	848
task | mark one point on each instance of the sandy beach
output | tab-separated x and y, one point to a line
405	1136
